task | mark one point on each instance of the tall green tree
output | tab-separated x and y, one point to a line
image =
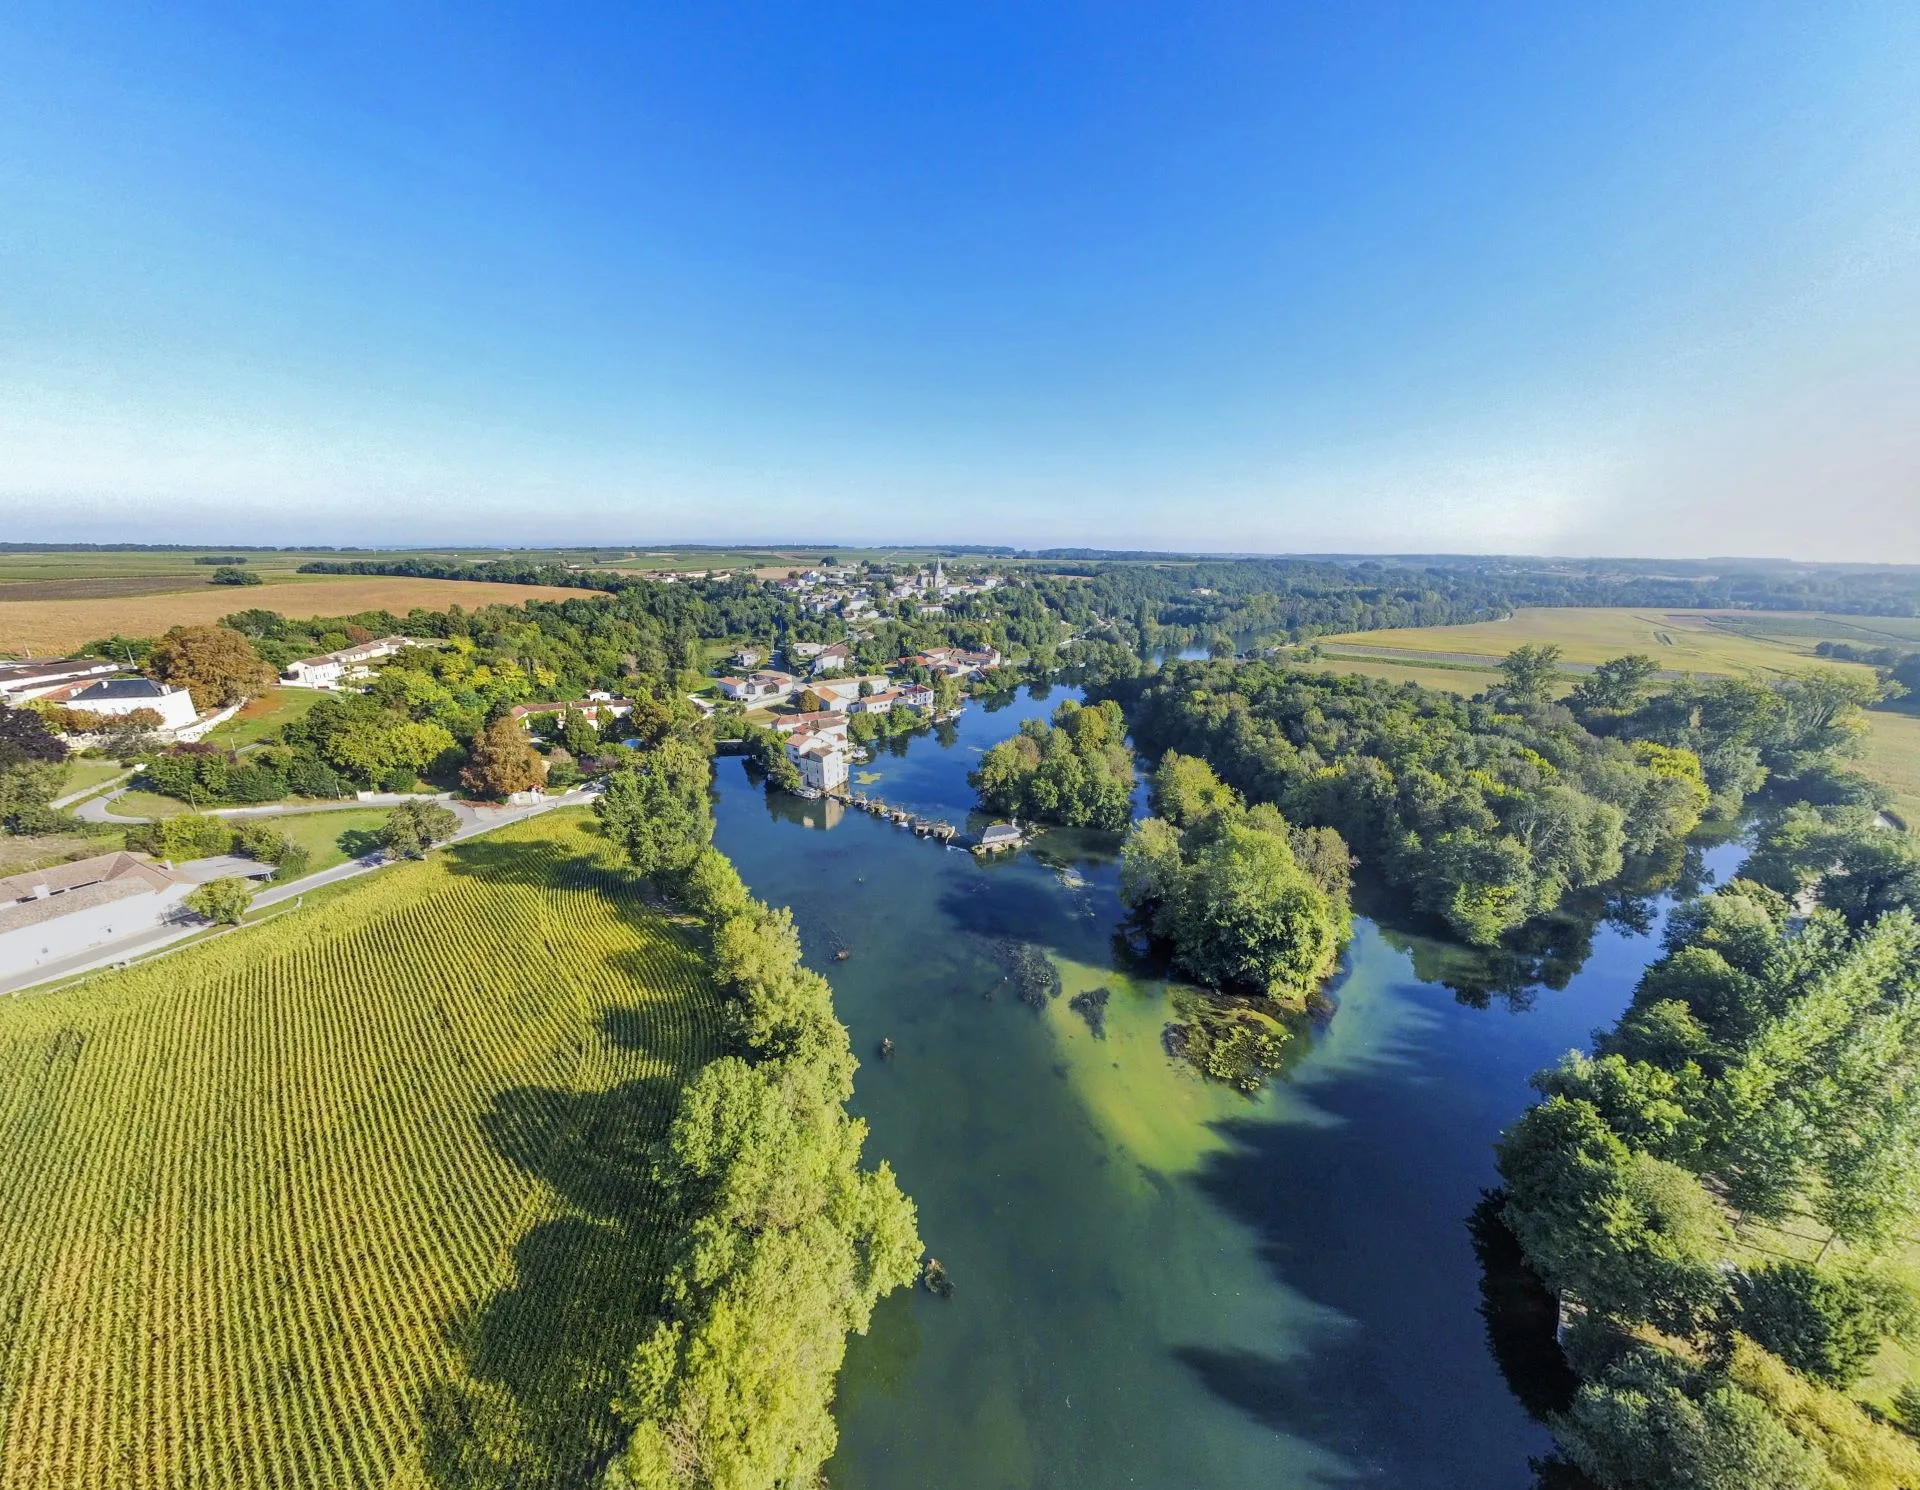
655	808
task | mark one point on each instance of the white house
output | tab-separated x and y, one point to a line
331	669
876	703
115	696
834	659
915	695
765	686
821	722
822	760
595	708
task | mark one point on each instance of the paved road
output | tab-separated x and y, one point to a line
72	797
475	818
98	810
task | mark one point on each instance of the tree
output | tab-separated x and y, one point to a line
222	900
1617	685
216	664
1238	908
1530	673
24	737
1631	1235
655	807
502	762
1825	1324
1246	914
1076	771
232	574
416	826
1186	791
946	693
579	736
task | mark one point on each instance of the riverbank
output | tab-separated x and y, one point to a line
1157	1282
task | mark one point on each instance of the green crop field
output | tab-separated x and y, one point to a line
1679	641
357	1197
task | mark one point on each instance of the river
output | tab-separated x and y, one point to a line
1158	1282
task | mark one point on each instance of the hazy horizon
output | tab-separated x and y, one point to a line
1378	280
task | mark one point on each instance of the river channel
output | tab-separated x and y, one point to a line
1158	1282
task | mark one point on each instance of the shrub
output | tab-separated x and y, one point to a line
414	827
222	900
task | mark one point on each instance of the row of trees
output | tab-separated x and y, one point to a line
785	1242
1765	1072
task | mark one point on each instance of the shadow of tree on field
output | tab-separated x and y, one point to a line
544	1358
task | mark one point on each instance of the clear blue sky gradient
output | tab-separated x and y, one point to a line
1631	278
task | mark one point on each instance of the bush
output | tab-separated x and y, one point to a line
191	835
310	777
222	900
414	827
231	574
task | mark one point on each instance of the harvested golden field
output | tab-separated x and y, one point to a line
1679	641
47	626
358	1197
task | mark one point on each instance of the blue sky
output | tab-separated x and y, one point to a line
1635	279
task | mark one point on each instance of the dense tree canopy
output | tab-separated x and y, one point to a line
1489	814
787	1243
1077	771
1245	900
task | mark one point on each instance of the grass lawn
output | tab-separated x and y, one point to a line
1893	760
352	1197
21	852
264	715
89	771
334	837
1679	641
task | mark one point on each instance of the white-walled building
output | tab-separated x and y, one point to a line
116	696
834	659
48	915
821	758
20	681
764	687
331	669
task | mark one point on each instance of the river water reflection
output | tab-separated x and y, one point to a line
1157	1282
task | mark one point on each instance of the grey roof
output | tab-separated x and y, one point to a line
119	688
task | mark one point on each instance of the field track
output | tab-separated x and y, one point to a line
46	625
355	1199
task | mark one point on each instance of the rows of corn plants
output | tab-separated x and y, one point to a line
357	1198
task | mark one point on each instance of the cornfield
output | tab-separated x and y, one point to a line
357	1198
